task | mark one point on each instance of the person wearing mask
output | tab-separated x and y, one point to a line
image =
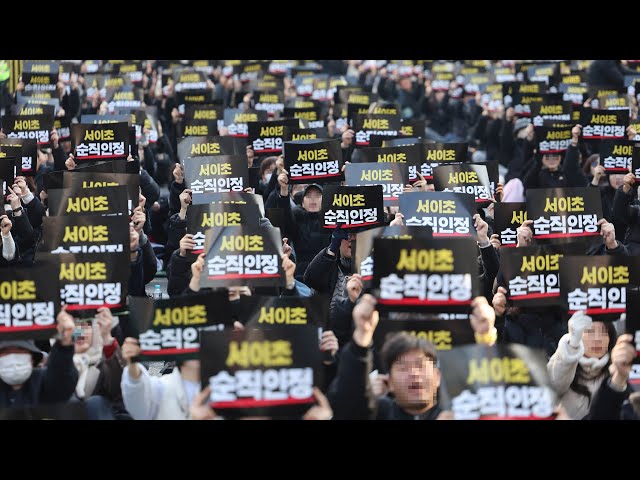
23	382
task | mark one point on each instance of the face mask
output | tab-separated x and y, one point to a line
15	368
267	177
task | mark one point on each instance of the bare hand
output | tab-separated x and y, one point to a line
5	225
500	301
365	318
524	234
104	318
608	232
65	326
354	287
321	411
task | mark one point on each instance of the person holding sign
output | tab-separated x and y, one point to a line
9	251
626	209
546	170
23	382
587	357
303	224
158	398
413	379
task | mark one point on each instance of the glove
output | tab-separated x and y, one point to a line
578	323
336	238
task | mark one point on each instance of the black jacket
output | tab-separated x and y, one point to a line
305	232
607	402
352	398
607	73
54	383
626	211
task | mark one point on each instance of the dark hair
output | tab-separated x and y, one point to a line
266	163
403	342
586	164
577	385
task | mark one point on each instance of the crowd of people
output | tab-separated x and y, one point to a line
590	358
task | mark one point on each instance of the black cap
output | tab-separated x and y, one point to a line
26	344
311	185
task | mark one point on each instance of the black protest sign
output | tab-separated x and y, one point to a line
635	124
56	411
100	119
193	97
216	174
63	127
187	79
104	180
313	161
199	128
557	111
533	275
100	141
40	67
441	153
24	151
126	96
85	234
354	109
311	115
258	311
412	128
448	214
439	275
364	246
352	207
599	124
29	301
391	176
245	255
521	102
205	146
267	137
502	382
444	334
564	214
201	218
372	124
616	156
508	216
464	178
231	198
170	329
612	102
295	134
553	139
575	94
344	92
597	284
40	82
543	72
236	120
88	201
8	172
36	127
203	112
264	372
411	155
635	163
33	109
88	281
633	328
393	141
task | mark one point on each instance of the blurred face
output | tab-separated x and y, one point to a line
266	176
616	180
439	95
551	162
83	342
596	340
312	201
190	370
405	84
345	246
414	380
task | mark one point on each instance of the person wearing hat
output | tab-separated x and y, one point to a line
303	224
23	382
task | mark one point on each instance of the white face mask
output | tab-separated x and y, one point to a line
15	368
267	177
